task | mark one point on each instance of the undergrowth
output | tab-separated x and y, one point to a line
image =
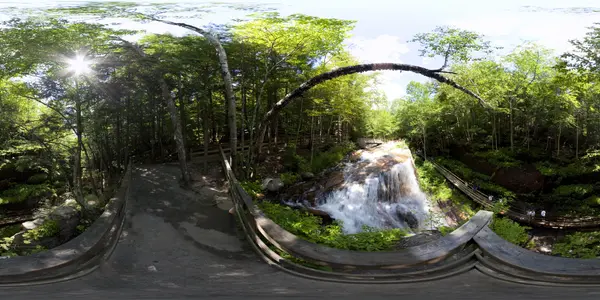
309	227
579	245
510	230
435	186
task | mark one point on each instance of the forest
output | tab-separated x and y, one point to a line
81	100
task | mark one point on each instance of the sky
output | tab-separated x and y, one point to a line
384	27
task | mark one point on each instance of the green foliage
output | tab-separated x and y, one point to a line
501	157
9	231
578	245
381	124
576	191
292	161
47	229
253	188
22	192
455	43
593	200
5	247
510	230
445	230
37	178
309	227
572	169
460	169
289	178
434	185
327	159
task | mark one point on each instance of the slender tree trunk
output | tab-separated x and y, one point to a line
205	132
512	126
229	95
558	140
181	152
576	139
312	139
77	172
212	114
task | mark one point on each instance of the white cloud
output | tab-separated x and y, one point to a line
383	48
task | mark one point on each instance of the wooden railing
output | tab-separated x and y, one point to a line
515	212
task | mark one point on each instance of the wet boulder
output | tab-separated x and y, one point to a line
307	176
409	218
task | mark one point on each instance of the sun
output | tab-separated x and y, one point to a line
79	65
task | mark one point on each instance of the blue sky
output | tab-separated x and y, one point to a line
384	26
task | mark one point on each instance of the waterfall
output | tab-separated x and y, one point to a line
380	192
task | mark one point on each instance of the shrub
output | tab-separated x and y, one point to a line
574	190
309	227
445	230
22	192
579	245
510	230
434	185
289	178
331	157
253	188
500	157
47	229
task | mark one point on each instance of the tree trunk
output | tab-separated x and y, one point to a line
512	126
205	133
181	152
77	173
558	140
576	139
229	95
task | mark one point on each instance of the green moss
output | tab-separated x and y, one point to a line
579	245
309	227
510	230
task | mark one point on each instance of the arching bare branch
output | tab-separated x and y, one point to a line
435	74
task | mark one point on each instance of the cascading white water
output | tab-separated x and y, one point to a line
382	199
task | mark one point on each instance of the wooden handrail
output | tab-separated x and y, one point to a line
516	212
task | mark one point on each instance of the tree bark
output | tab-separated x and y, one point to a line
168	98
231	108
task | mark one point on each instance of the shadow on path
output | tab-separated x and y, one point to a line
180	244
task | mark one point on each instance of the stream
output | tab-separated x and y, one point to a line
380	190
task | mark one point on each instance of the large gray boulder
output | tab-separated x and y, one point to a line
67	218
273	185
56	229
